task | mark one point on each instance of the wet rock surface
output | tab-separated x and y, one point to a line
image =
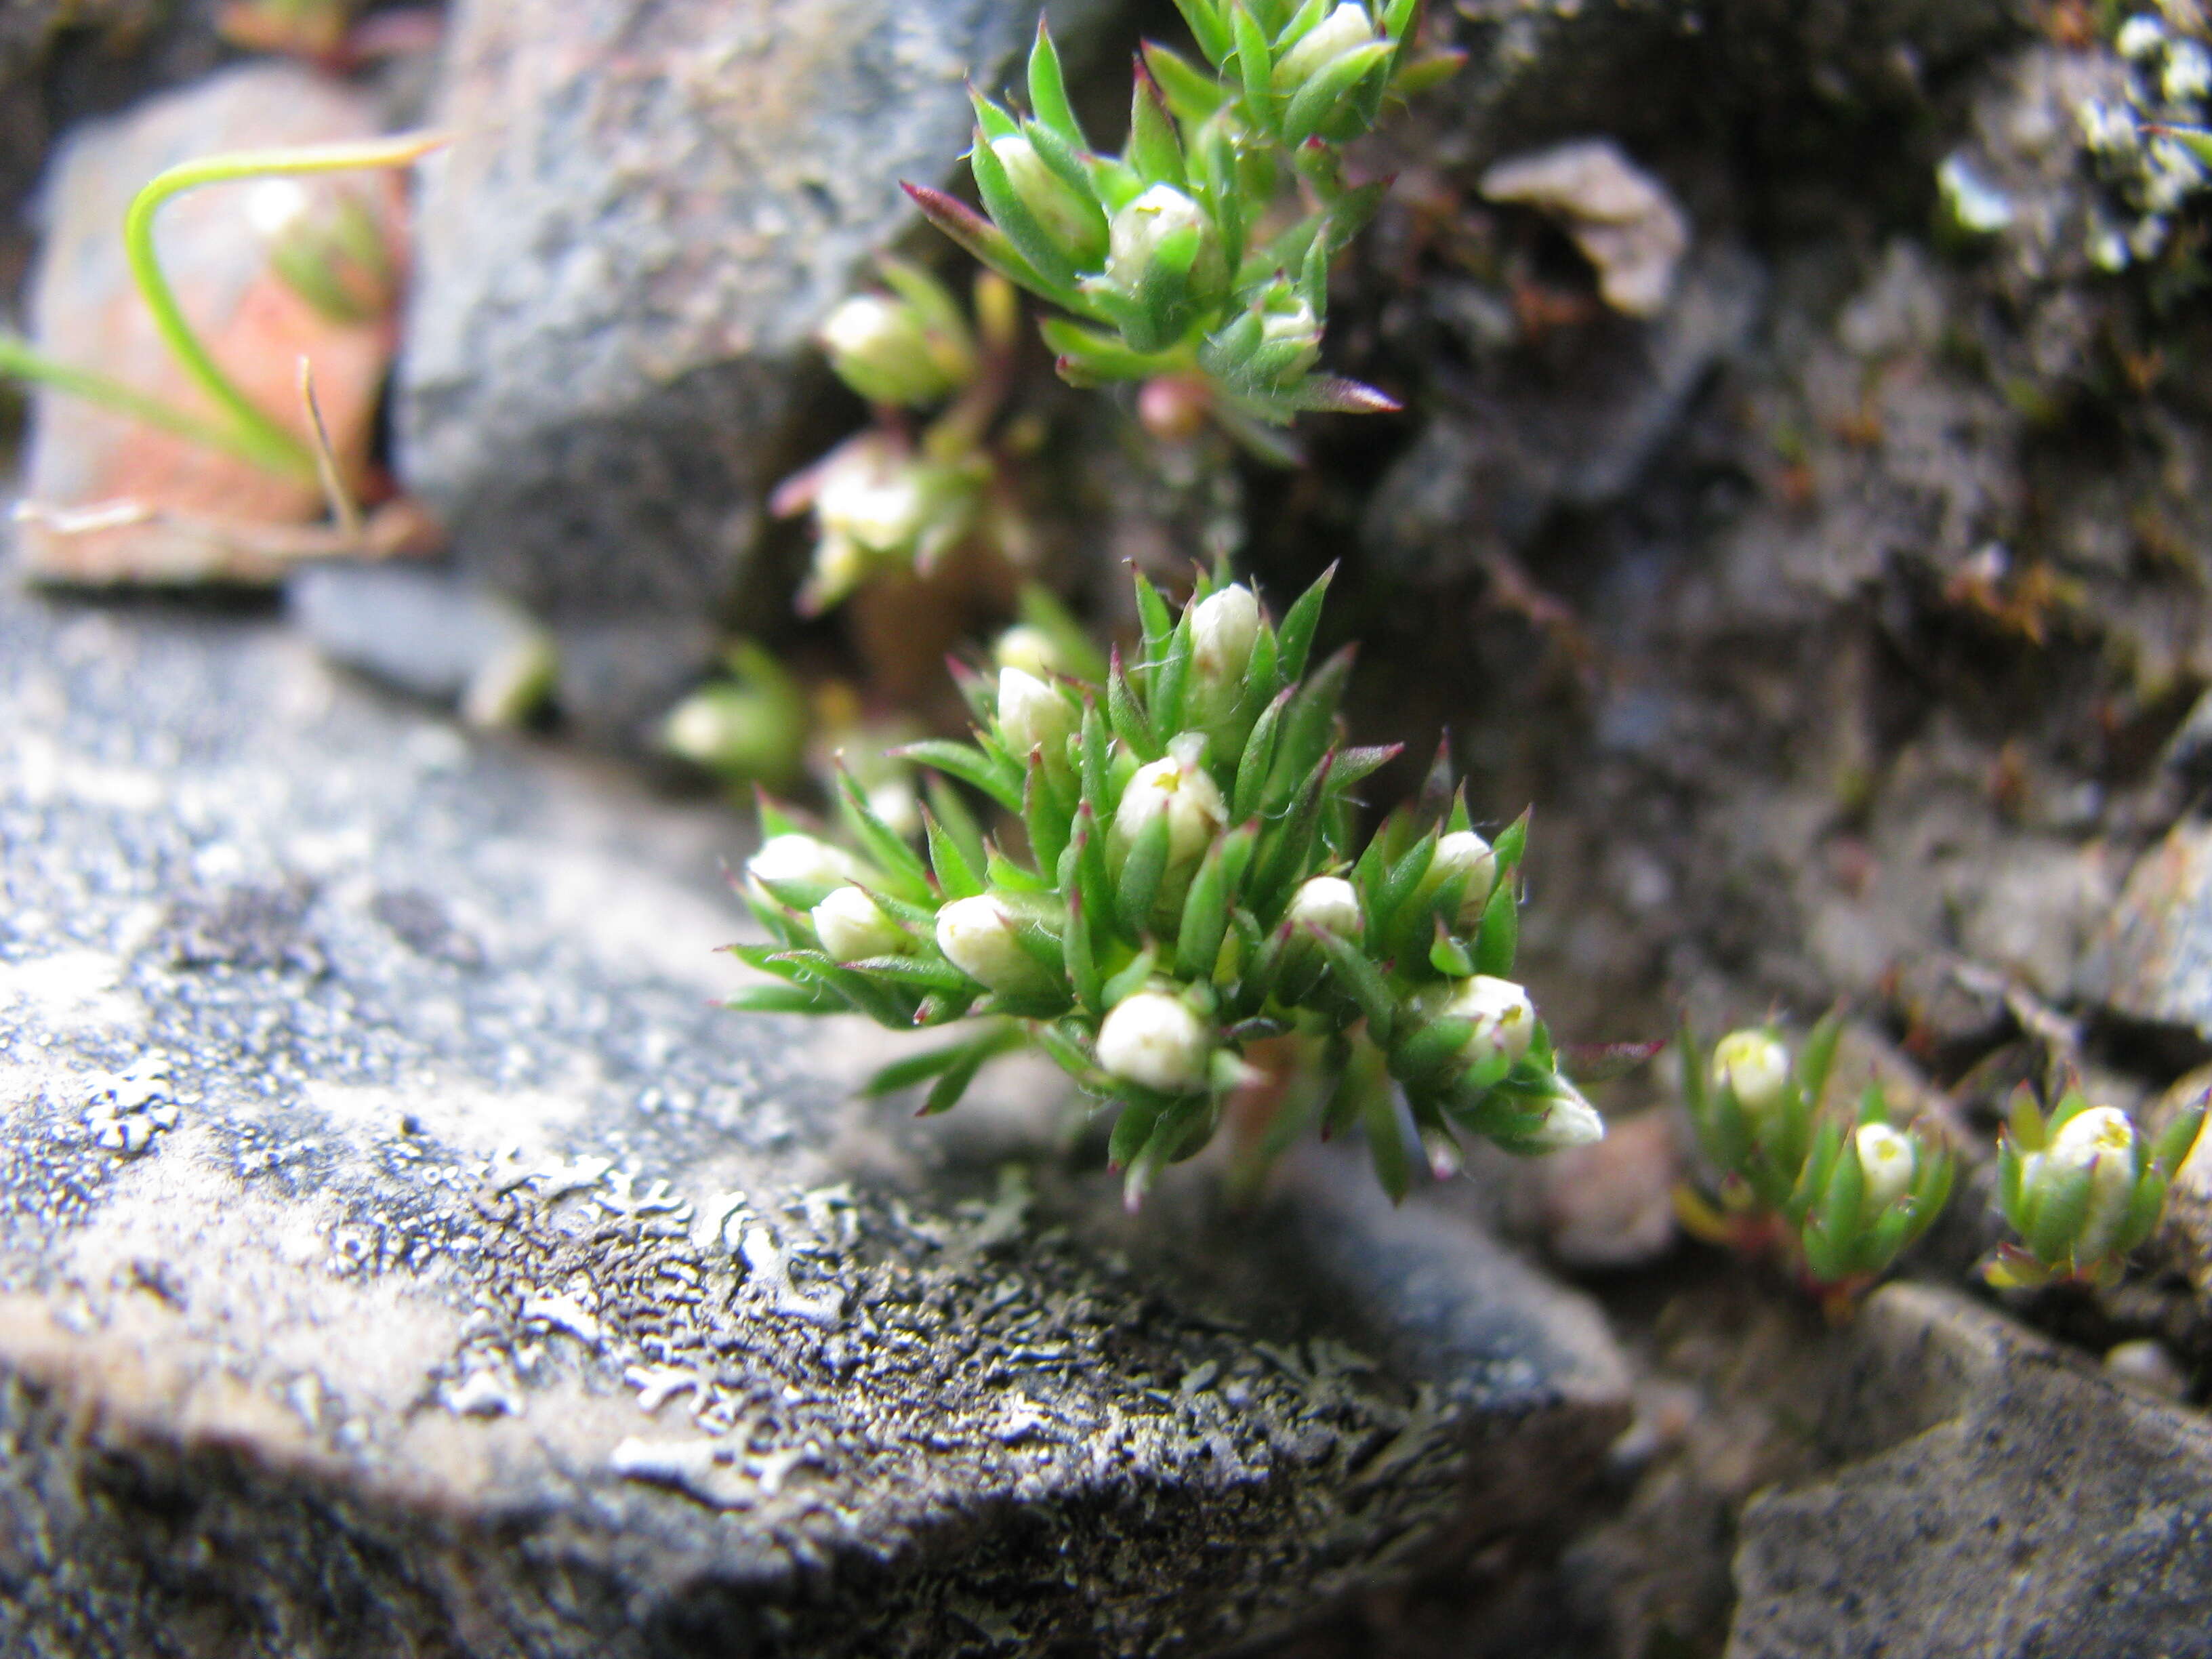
1985	1456
398	1251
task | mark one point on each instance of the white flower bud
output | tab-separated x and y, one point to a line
1154	1038
1569	1121
882	348
1030	649
1462	850
1889	1158
1223	630
2101	1144
1062	214
1755	1065
874	498
801	858
1032	714
1137	232
1503	1018
978	937
851	927
1181	791
1329	904
1346	29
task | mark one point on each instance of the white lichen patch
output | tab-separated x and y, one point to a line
125	1111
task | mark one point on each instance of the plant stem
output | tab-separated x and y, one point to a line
254	433
19	358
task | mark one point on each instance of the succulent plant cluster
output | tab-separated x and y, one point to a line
1838	1194
2082	1187
1174	258
1194	926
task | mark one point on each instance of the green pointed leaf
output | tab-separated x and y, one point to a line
1141	875
1132	1128
1296	636
1045	818
984	241
902	869
915	1068
1498	939
1252	770
1170	678
1362	980
1048	91
1386	1142
1255	65
1308	725
947	820
956	877
1192	94
1003	784
1128	716
1082	956
1448	956
1205	915
1206	28
1154	150
1333	86
784	1000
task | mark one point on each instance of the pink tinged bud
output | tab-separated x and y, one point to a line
1346	29
2101	1142
883	349
1179	789
1503	1018
1755	1065
1464	851
852	926
1030	649
1155	1039
1329	904
1222	630
978	937
1032	714
801	860
1889	1159
1141	227
1060	211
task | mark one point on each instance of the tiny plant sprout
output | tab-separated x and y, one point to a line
1198	257
2081	1187
1837	1194
1179	911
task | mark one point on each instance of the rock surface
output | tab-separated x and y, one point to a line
2009	1501
2153	959
399	1253
647	211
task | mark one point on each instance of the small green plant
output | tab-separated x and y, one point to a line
1837	1196
2083	1188
894	496
1194	923
238	426
1200	253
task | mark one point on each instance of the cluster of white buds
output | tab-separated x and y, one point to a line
891	498
1839	1194
1159	253
1193	888
2083	1188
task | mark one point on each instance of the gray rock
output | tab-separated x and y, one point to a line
428	632
648	209
2010	1501
2153	959
398	1252
1571	427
